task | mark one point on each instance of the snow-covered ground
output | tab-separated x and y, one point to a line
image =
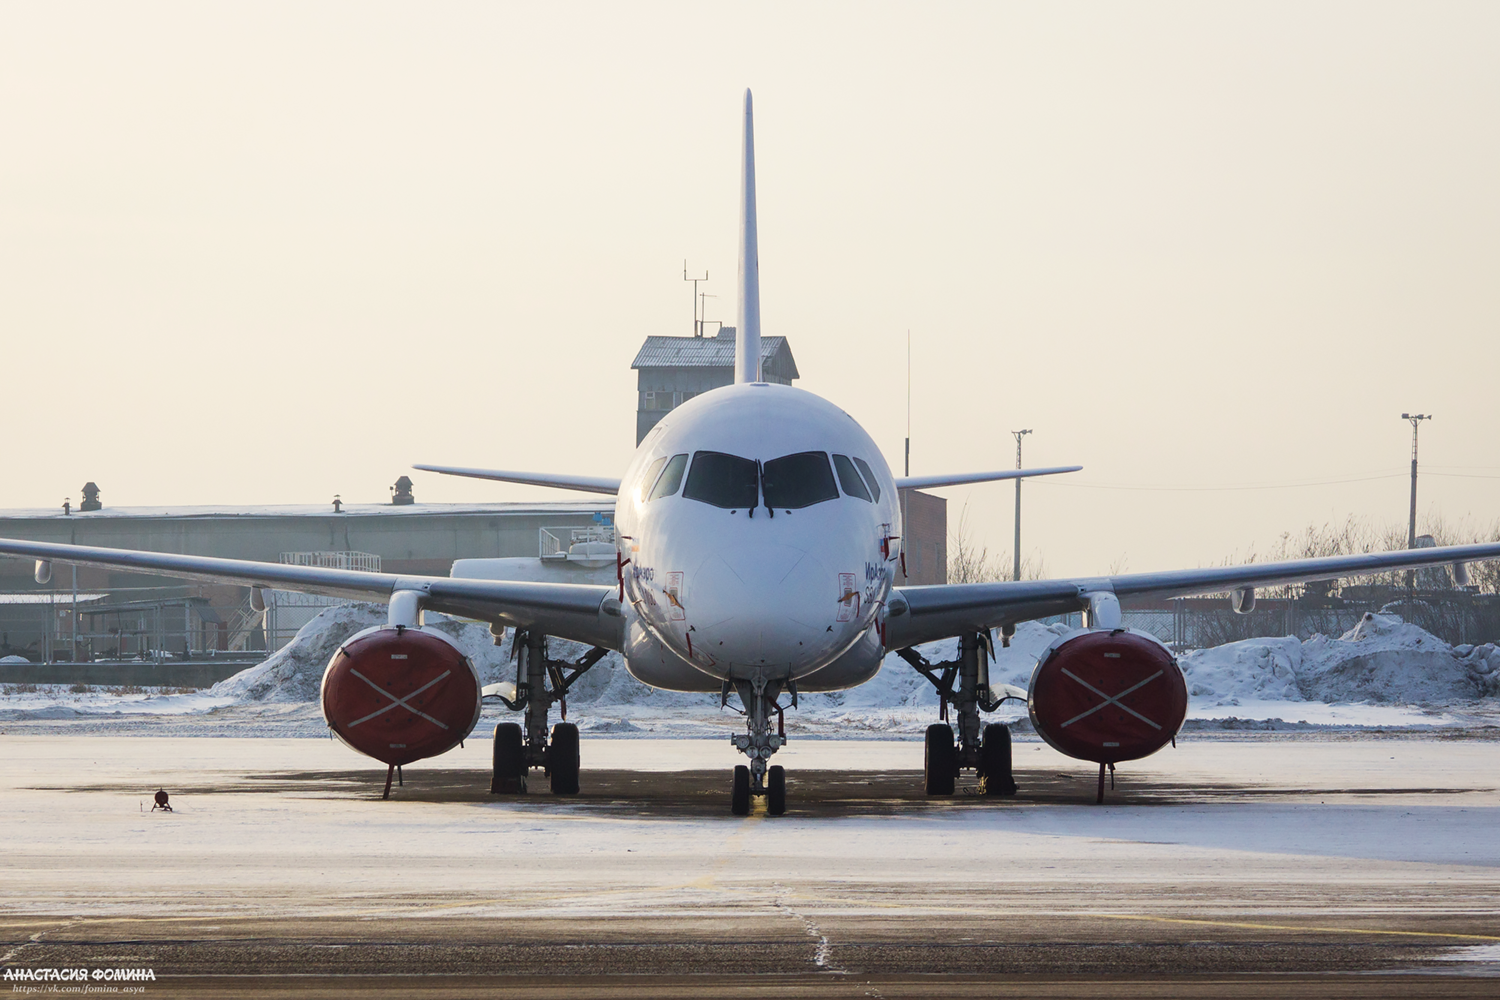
1383	673
80	838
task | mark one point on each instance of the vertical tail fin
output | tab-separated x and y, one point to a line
747	330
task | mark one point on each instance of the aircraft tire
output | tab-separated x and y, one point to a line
995	777
509	776
739	800
563	759
776	790
940	762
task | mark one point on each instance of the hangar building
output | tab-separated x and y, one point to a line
89	614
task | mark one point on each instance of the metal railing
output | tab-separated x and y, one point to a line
366	562
550	546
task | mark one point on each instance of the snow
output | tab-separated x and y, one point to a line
1381	661
1383	672
60	701
1485	954
1287	838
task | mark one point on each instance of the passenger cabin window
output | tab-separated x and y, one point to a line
671	478
800	480
726	481
649	476
849	478
870	480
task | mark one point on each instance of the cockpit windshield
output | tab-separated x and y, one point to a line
648	477
800	480
870	479
671	478
849	477
723	480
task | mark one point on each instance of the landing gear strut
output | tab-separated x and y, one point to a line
759	696
540	682
984	749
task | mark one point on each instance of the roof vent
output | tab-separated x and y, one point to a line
401	494
90	498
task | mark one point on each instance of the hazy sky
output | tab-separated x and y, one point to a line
268	253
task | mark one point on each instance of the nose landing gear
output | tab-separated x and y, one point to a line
759	778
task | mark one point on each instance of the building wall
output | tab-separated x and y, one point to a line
925	520
422	539
662	390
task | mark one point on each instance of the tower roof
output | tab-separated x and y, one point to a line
713	352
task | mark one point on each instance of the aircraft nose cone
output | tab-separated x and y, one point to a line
764	604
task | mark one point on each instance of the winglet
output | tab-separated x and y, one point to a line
747	330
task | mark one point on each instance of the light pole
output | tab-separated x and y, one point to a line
1411	524
1016	550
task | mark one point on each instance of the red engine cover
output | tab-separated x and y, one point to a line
1108	696
399	695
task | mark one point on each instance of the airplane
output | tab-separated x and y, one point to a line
758	531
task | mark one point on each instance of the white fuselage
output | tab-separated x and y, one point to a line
716	589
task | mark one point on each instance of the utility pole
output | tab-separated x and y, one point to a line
1411	524
697	322
1016	573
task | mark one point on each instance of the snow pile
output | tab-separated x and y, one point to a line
1249	670
897	685
295	672
1382	660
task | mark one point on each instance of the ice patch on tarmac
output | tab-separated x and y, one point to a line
1481	960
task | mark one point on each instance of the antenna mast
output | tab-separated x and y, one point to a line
697	319
908	403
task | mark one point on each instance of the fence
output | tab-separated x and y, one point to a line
1457	617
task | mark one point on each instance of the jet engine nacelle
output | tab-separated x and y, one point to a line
1107	695
400	694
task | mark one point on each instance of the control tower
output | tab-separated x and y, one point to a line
675	369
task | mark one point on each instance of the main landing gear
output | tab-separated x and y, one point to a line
760	777
540	681
984	749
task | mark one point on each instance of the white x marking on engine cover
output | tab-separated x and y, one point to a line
1111	700
399	702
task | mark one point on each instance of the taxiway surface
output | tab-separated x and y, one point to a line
1234	867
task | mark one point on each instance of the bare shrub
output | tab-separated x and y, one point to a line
1356	536
969	562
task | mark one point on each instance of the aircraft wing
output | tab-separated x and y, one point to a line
582	612
585	484
601	484
960	478
924	614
